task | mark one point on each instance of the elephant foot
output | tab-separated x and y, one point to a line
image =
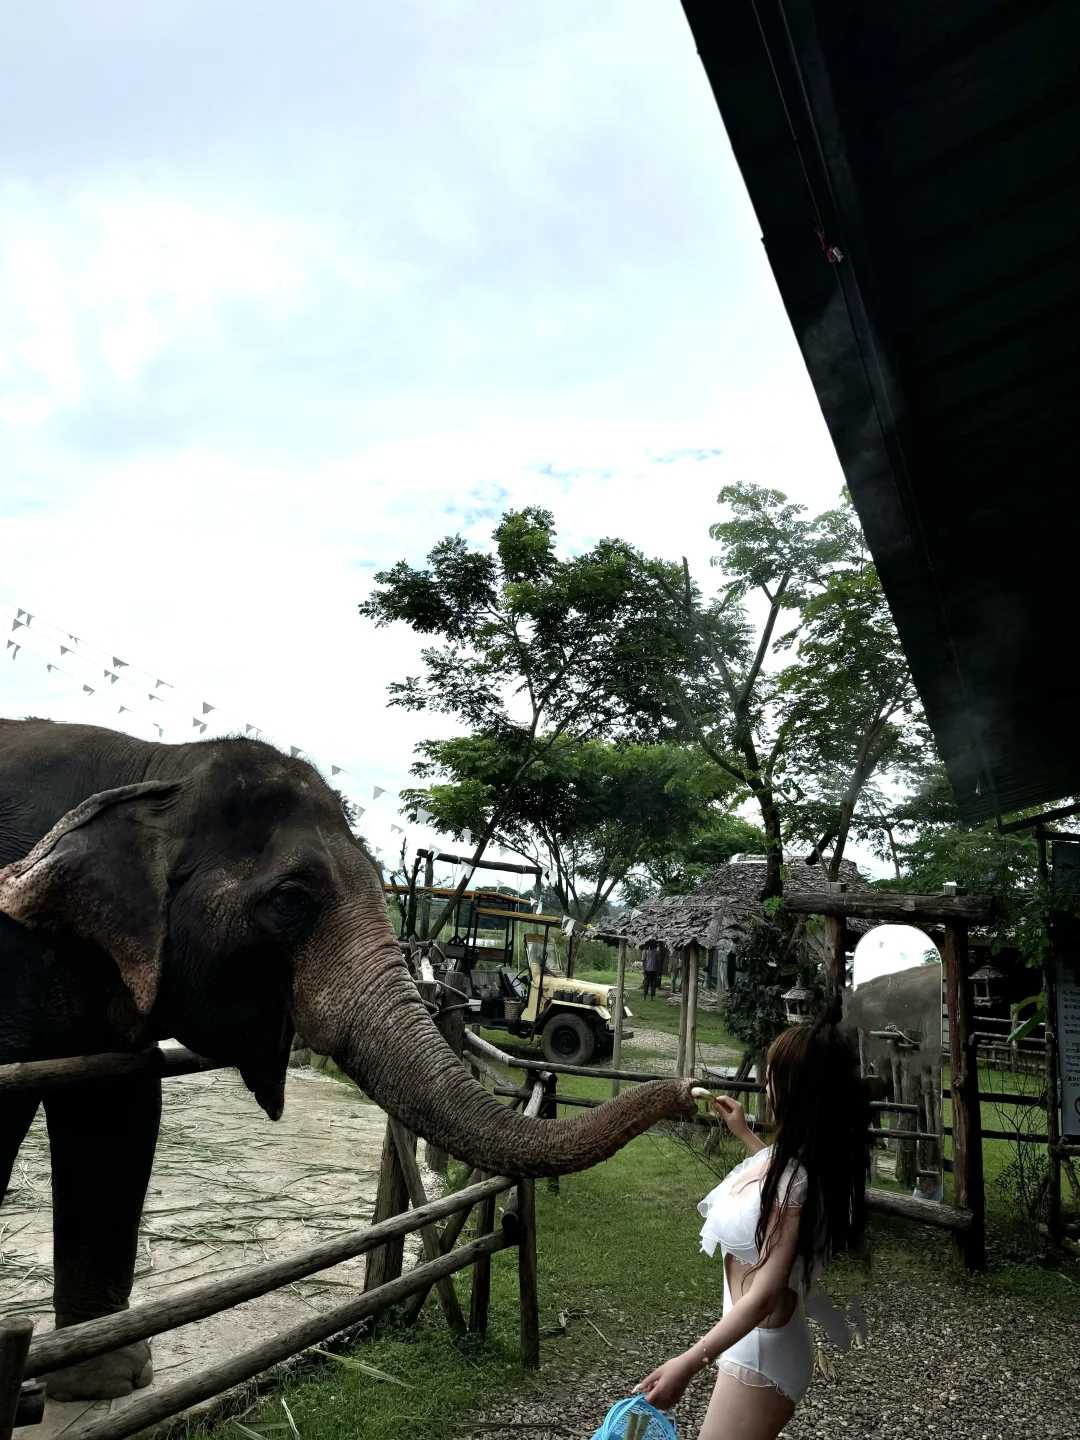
107	1377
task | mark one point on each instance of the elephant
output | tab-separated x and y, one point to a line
212	892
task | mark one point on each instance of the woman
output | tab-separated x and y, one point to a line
778	1217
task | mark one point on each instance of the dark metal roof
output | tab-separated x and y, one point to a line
915	168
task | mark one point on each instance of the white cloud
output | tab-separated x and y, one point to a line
271	321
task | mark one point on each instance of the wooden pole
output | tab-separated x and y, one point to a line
450	1022
549	1110
201	1386
836	961
391	1198
425	899
480	1300
684	973
527	1277
967	1117
406	1148
1053	1133
620	991
14	1343
691	981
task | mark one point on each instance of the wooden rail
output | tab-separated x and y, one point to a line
79	1069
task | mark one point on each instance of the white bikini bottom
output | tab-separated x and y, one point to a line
780	1358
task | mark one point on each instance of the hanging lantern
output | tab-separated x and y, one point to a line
988	984
798	1005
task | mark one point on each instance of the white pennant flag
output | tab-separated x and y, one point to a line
378	790
123	710
74	639
397	829
158	684
65	650
359	810
17	625
423	816
15	651
88	690
110	676
158	728
199	725
151	696
294	751
466	836
206	709
20	613
119	664
250	729
336	770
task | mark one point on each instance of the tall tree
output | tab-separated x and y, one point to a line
588	811
850	708
777	558
691	858
527	646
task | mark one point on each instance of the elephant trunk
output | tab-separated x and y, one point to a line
364	1009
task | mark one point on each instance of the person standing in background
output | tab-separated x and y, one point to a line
650	964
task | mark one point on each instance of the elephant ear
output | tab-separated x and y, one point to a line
102	873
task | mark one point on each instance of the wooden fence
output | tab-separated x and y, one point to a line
23	1360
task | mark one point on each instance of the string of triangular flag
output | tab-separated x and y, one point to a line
75	650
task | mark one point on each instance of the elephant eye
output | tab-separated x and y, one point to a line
290	906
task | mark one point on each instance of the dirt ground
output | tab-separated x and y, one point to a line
229	1189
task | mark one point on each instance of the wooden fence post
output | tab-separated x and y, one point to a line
684	981
14	1343
384	1264
691	981
406	1145
450	1022
836	961
620	991
480	1299
966	1115
527	1278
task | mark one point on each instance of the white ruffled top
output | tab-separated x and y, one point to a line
731	1211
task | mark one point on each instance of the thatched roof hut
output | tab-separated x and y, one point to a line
722	909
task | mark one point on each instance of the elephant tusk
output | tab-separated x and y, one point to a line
698	1092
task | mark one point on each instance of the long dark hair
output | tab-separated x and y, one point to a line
822	1117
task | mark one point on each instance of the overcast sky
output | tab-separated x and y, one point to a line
288	292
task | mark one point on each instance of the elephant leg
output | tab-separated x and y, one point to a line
102	1139
16	1114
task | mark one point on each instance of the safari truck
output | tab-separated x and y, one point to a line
516	983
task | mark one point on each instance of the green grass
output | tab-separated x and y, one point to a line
618	1251
658	1014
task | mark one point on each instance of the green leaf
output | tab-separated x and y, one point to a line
352	1364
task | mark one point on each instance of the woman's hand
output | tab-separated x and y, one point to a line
664	1386
733	1115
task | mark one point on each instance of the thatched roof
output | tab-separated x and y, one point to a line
724	905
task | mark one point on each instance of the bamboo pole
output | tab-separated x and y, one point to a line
967	1119
14	1343
620	992
212	1381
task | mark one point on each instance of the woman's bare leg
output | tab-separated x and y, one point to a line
744	1412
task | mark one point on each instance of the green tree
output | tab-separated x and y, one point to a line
528	647
851	710
587	811
725	694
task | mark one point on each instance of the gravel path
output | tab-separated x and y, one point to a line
661	1050
943	1360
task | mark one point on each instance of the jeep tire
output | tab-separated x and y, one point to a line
569	1039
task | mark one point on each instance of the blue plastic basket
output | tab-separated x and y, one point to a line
658	1427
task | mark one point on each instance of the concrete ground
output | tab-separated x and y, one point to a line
229	1189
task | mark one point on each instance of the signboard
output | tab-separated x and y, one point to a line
1068	1018
1066	858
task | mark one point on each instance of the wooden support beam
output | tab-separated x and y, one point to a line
406	1143
79	1069
926	1212
391	1198
967	1119
836	960
14	1343
885	905
684	992
480	1299
527	1276
691	981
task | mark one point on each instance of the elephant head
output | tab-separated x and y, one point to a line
238	908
